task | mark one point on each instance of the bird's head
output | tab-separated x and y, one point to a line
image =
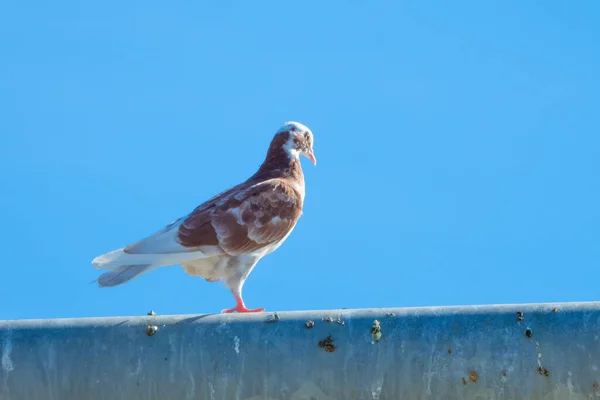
298	141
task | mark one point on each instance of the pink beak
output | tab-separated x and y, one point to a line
311	157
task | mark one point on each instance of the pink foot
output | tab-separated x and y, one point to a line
240	306
241	309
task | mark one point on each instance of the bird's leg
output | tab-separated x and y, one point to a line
241	267
240	306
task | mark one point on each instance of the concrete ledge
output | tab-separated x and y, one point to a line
539	351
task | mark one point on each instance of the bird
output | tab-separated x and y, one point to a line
226	236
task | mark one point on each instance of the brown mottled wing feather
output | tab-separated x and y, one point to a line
246	220
197	230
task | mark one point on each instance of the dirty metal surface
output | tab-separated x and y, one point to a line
543	351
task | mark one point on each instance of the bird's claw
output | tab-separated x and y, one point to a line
241	309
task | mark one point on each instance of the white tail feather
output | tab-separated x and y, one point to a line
158	250
118	258
123	274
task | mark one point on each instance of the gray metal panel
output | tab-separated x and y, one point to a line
549	351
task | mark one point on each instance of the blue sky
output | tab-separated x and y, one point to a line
458	148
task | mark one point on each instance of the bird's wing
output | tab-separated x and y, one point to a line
165	241
246	220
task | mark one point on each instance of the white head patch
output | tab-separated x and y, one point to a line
290	149
295	128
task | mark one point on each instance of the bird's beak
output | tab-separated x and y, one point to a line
311	156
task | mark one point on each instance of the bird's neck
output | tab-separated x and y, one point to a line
280	163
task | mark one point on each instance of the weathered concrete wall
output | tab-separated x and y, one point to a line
530	352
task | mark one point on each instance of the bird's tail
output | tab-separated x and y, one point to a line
123	274
123	266
119	258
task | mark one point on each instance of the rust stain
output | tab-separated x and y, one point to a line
271	318
376	330
464	381
519	316
595	387
528	333
503	373
151	330
473	377
327	344
555	309
543	371
449	350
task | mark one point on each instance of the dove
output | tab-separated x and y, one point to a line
225	237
